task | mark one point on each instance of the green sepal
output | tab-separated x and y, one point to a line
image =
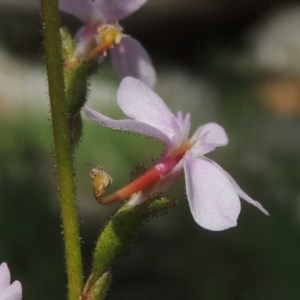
75	129
75	74
99	289
119	235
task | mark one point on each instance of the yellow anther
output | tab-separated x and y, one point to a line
107	37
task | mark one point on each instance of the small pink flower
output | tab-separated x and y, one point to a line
212	193
9	291
101	33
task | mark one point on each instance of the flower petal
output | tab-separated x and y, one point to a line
213	201
84	40
4	276
126	125
208	137
140	103
245	196
12	292
82	9
131	59
113	10
9	291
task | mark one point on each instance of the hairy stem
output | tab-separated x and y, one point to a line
63	152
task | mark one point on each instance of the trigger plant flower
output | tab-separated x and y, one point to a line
101	33
9	291
213	195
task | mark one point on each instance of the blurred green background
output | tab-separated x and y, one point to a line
233	62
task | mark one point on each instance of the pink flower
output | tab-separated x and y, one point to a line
9	291
212	193
101	33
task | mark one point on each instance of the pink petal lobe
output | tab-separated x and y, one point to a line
84	40
81	9
9	291
12	292
126	125
140	103
213	201
208	137
245	196
4	276
113	10
130	58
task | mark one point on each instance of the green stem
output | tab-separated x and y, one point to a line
63	152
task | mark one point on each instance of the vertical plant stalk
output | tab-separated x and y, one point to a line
63	153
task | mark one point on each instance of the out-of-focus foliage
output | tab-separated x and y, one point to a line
29	221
